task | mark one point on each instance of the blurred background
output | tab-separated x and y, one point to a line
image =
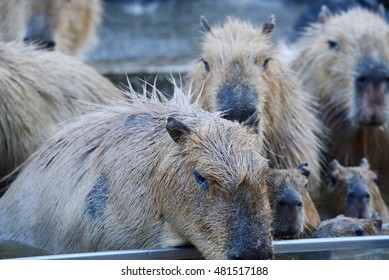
142	38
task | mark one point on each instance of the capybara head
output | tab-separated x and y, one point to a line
235	67
65	25
294	213
347	226
351	189
223	183
345	59
147	174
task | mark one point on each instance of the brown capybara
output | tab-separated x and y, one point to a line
38	90
294	213
344	61
65	25
347	226
148	174
352	191
240	72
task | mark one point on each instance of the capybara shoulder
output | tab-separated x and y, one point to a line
39	90
149	174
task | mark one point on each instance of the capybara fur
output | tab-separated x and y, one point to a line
347	226
239	72
294	213
352	191
149	174
38	90
65	25
344	60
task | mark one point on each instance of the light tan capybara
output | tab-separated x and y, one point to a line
347	226
38	90
294	213
65	25
240	72
344	61
352	191
148	174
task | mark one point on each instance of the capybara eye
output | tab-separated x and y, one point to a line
266	63
206	65
333	45
203	182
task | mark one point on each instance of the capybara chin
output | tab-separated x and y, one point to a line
148	174
294	213
352	191
239	72
344	61
65	25
39	90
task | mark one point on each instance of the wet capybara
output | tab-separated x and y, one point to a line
38	90
65	25
344	61
294	213
347	226
352	191
240	72
148	174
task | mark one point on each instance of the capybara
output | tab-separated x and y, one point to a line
148	174
344	60
240	72
38	90
310	12
352	191
294	213
347	226
65	25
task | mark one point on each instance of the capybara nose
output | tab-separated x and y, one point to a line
371	73
46	44
240	115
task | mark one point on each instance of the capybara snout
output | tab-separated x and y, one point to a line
371	92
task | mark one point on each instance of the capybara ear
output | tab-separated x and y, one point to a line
365	163
381	11
376	218
324	14
177	130
304	169
253	120
269	25
333	171
205	25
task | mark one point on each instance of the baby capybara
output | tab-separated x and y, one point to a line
352	191
294	213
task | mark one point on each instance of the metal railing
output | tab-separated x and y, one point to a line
281	247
